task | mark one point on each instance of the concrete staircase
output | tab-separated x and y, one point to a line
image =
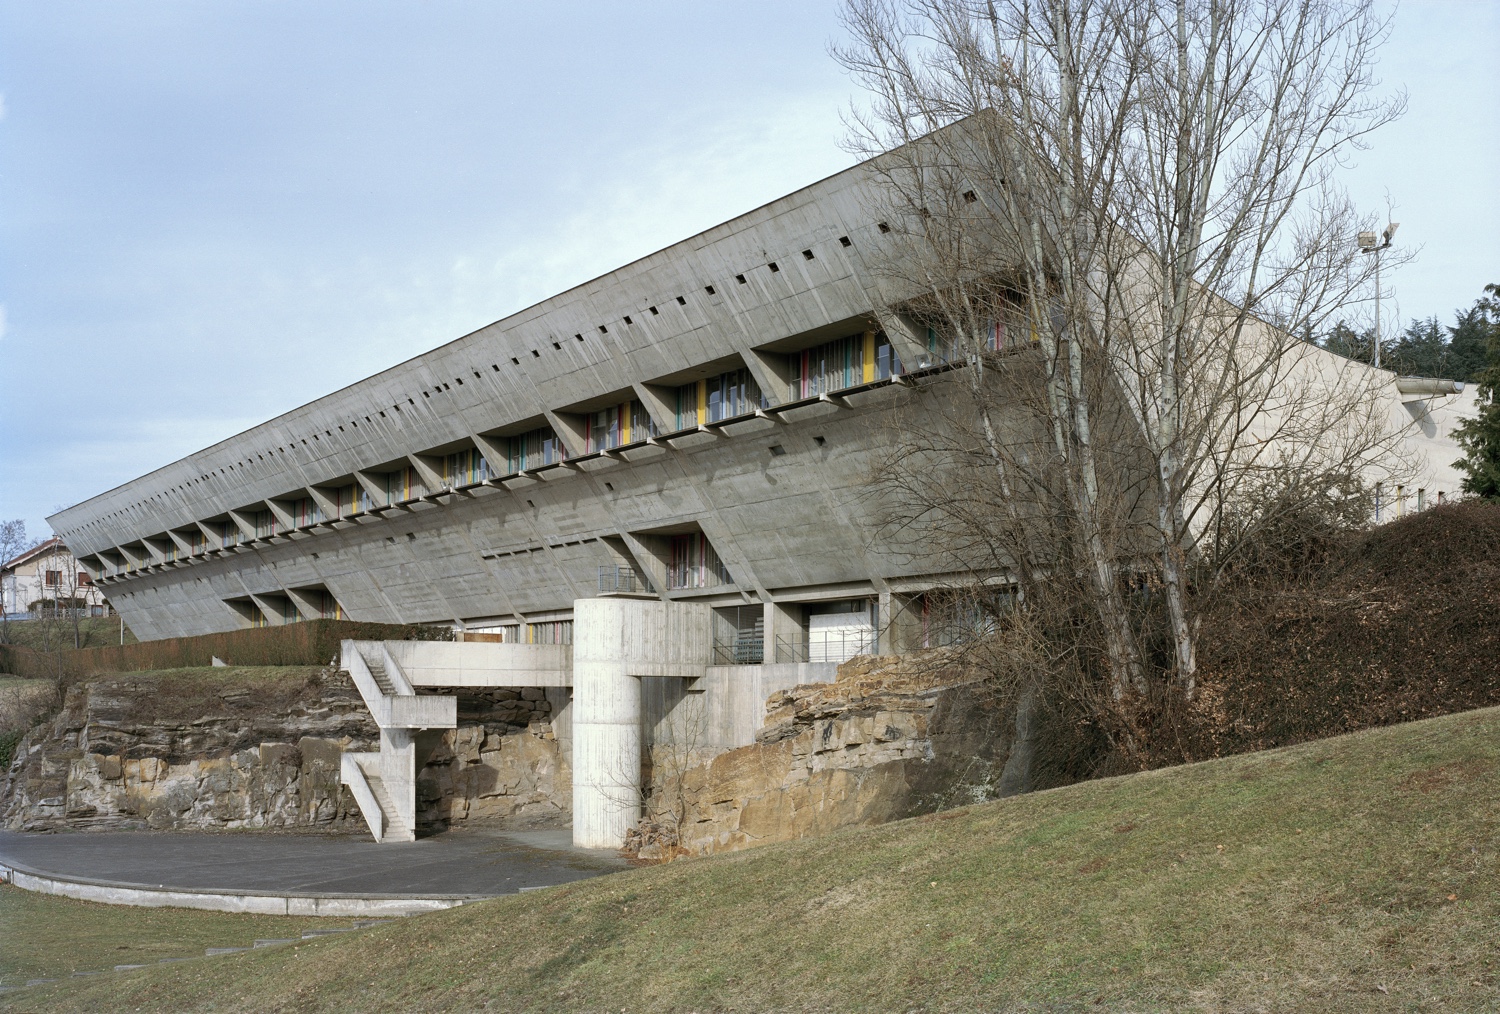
396	829
384	783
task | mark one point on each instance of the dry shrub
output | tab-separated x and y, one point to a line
1401	622
1318	630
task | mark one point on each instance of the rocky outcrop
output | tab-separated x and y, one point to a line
259	747
890	739
503	760
219	748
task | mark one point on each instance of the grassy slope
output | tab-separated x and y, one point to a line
1350	874
17	695
22	702
54	634
189	694
47	937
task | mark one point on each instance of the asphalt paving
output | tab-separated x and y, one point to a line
466	862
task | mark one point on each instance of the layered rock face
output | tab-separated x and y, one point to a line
887	740
187	748
503	760
260	748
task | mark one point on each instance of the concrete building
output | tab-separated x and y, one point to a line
649	492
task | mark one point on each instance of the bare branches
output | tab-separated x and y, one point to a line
1122	213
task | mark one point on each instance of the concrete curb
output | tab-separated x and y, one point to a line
253	902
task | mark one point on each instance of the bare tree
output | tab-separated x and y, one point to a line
13	542
1122	214
70	598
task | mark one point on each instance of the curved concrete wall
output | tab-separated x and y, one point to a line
617	642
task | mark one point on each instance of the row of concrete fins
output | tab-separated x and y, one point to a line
384	784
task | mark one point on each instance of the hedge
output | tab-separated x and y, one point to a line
315	642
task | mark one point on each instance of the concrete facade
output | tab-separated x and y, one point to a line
520	547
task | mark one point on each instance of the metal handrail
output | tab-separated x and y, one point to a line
821	646
620	579
744	650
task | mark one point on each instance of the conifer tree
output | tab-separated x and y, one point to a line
1480	436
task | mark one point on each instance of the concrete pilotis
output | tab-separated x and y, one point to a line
398	777
606	752
618	641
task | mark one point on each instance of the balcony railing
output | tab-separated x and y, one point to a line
826	646
746	649
620	579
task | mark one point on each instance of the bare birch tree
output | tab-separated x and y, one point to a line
13	542
1122	214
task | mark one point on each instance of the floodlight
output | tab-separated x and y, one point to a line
1367	241
1390	232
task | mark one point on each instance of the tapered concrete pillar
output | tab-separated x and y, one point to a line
398	773
616	642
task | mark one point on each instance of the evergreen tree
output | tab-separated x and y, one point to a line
1480	436
1421	351
1343	340
1467	346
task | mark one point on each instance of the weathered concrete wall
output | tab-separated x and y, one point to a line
881	743
168	751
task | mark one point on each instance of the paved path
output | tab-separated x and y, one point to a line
467	861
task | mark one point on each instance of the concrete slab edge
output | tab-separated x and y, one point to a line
253	903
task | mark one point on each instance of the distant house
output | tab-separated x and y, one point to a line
46	578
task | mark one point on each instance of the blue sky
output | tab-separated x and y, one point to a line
211	212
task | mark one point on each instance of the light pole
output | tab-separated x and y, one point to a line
1369	243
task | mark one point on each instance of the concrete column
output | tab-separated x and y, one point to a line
616	641
561	700
783	631
398	773
606	724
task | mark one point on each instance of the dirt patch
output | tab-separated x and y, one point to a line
1435	779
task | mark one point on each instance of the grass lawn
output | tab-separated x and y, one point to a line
54	634
43	937
1350	874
